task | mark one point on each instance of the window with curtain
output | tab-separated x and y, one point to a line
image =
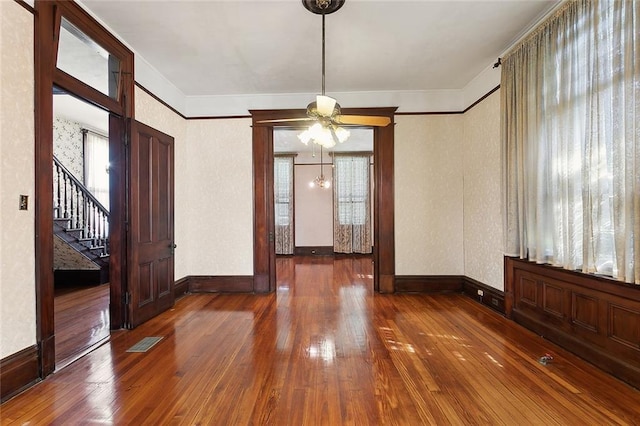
96	166
571	139
283	203
351	203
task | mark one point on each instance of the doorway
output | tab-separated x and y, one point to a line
80	226
263	190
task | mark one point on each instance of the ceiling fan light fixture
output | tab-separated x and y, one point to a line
325	105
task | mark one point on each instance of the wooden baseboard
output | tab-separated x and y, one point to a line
181	287
429	283
313	251
80	278
18	372
220	284
488	296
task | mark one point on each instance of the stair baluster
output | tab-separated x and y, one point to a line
88	218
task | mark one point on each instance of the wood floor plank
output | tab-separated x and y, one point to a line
325	350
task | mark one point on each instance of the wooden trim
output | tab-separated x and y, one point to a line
80	277
594	317
313	251
384	238
429	283
44	65
491	297
181	287
47	14
220	284
148	92
485	96
18	372
431	113
26	6
220	117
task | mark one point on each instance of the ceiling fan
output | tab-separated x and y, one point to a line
325	111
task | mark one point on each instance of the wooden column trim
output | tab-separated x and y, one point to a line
384	238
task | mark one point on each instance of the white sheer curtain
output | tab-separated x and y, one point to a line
283	202
351	204
571	138
96	166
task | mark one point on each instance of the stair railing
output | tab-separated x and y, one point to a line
74	202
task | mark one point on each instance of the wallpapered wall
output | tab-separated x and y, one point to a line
428	195
17	257
446	210
68	145
483	243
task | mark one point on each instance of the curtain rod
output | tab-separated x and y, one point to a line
95	132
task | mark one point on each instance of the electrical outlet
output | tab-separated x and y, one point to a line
494	301
480	293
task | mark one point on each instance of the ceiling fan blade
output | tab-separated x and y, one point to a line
325	105
286	120
363	120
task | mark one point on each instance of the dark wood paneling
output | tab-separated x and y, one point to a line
220	284
594	317
491	297
429	283
18	372
313	251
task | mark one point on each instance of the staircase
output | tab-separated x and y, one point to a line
79	219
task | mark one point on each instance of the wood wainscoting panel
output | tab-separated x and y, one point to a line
624	325
527	290
18	372
594	317
553	300
584	312
313	251
220	284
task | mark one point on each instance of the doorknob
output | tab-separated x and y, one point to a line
172	246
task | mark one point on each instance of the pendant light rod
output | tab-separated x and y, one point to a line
323	60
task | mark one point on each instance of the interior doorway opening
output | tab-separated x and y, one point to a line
81	221
320	210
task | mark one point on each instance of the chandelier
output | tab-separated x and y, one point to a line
320	181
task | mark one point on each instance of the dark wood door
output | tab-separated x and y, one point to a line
151	239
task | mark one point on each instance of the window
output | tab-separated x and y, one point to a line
570	102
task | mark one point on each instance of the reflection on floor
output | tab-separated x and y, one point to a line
81	321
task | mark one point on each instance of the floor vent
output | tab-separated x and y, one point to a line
144	345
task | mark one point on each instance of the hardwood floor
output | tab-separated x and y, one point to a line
81	321
326	350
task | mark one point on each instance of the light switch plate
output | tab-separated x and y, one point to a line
24	202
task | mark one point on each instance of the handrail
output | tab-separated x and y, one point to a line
81	186
82	211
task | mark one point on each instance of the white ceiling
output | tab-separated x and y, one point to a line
232	50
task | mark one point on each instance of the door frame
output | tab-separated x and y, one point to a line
47	24
263	213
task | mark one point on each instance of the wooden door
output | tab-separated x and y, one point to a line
151	240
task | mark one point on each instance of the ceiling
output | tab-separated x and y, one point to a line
236	51
268	47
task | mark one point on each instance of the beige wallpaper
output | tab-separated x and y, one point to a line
483	251
220	197
17	258
428	195
152	113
